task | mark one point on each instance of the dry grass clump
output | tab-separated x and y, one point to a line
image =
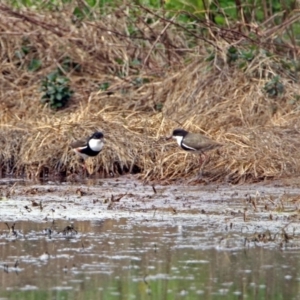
153	69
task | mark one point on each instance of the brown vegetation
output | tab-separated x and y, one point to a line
217	98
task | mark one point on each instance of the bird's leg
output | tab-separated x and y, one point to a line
84	168
200	160
207	158
203	162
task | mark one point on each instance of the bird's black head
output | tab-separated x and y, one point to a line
97	135
179	132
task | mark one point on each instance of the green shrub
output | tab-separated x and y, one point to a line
56	90
274	87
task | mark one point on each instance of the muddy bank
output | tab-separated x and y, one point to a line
266	213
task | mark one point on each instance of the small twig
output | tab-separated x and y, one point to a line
157	39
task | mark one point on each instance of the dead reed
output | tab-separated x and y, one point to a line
157	82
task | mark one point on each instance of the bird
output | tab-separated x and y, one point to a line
194	142
89	147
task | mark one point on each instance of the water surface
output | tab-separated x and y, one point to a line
124	240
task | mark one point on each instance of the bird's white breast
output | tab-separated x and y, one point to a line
178	139
96	144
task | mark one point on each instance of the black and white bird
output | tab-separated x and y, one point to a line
89	147
194	142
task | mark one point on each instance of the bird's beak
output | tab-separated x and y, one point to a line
169	137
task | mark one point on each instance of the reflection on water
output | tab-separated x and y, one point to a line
128	259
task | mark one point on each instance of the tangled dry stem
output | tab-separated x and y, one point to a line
260	134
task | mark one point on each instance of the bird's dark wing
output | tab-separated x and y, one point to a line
78	144
200	142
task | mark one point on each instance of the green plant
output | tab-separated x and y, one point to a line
104	86
69	65
34	65
247	55
274	87
56	90
232	54
158	106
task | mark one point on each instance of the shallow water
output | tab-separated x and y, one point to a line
176	242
